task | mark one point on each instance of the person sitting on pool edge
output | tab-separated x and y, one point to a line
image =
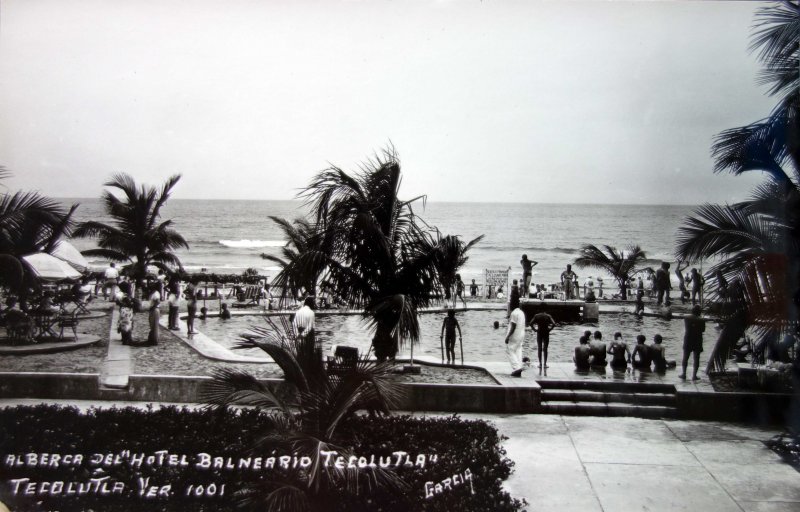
658	355
620	354
643	352
598	350
582	355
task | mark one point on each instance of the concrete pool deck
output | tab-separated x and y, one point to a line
579	464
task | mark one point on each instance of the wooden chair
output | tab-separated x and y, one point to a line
344	360
68	321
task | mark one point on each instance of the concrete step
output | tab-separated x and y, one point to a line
569	395
602	409
607	386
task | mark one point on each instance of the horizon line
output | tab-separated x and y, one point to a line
427	201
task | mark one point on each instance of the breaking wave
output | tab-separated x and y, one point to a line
248	244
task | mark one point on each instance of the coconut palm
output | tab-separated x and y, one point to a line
452	256
304	420
382	257
136	232
303	259
621	265
756	242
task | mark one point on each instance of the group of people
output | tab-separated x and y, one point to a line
592	352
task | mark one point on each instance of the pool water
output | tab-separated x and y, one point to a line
481	342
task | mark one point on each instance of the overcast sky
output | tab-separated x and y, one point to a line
528	101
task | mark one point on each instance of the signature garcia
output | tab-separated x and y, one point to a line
448	484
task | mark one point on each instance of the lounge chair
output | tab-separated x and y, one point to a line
248	297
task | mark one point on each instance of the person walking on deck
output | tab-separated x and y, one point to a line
514	338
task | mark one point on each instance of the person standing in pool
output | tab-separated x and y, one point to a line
527	272
694	326
514	338
620	354
566	281
599	351
542	323
449	326
641	358
582	354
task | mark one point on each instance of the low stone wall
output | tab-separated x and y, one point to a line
749	407
179	389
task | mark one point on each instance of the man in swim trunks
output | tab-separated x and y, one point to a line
582	354
542	323
473	289
598	349
566	281
527	272
694	327
641	358
449	326
659	355
514	338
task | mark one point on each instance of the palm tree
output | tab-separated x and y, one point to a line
380	256
757	242
621	265
452	256
303	259
304	421
29	223
136	233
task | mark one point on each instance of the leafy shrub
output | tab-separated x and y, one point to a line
459	445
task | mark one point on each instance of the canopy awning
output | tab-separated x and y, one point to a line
67	252
49	268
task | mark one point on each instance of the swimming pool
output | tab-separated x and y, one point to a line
480	340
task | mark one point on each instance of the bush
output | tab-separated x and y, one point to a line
458	444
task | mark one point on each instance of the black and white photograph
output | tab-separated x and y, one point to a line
432	255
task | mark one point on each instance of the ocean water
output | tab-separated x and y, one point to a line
229	236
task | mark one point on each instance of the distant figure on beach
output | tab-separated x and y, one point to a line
459	291
639	307
620	354
514	338
582	354
513	297
449	326
663	284
304	318
224	312
153	317
111	277
542	323
496	324
641	358
694	326
125	324
527	271
658	355
567	277
191	308
697	280
473	289
599	287
598	350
